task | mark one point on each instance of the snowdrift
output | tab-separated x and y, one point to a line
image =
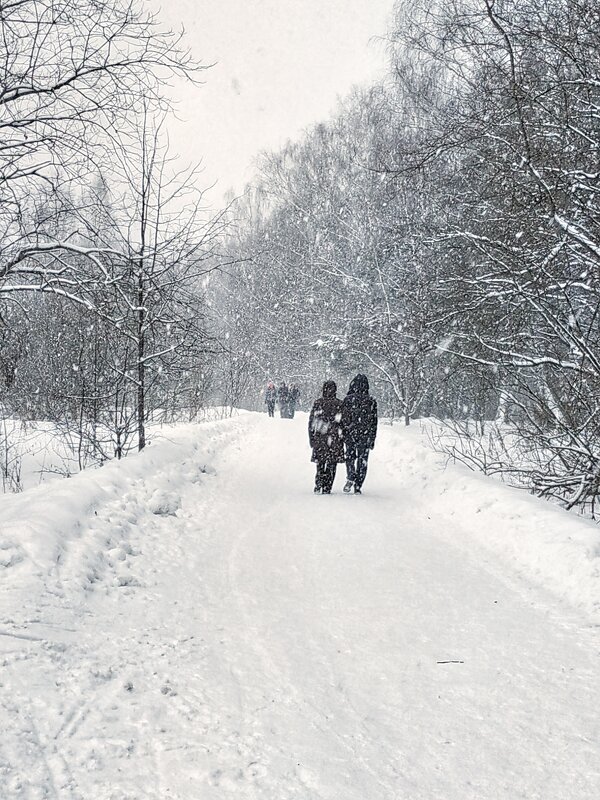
553	548
52	525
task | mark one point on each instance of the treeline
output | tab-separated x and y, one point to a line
442	233
105	243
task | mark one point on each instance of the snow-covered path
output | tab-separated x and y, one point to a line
263	642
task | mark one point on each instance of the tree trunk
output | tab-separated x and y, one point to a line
141	372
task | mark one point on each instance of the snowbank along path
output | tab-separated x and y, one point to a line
195	623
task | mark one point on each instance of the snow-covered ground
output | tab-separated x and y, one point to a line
37	452
194	623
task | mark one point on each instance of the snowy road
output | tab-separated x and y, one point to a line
225	633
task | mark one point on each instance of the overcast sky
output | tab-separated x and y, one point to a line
280	65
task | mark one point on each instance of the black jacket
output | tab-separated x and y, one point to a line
325	426
283	395
359	415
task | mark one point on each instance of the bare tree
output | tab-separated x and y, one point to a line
171	243
72	76
517	139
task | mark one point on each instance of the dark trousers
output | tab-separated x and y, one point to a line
325	475
271	408
357	458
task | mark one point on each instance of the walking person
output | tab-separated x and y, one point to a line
270	398
283	398
359	425
326	437
294	399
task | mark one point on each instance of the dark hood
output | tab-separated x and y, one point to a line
329	389
359	385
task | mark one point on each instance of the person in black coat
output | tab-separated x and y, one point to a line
326	437
294	399
283	398
270	398
359	426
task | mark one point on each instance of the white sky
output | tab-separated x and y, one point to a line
280	65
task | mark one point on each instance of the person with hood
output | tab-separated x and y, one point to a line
283	398
359	426
270	398
326	437
294	399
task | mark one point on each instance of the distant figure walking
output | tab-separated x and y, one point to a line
294	399
326	437
359	425
271	398
283	398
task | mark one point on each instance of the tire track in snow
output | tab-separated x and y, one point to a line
280	676
272	672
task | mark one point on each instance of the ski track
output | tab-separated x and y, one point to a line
218	631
